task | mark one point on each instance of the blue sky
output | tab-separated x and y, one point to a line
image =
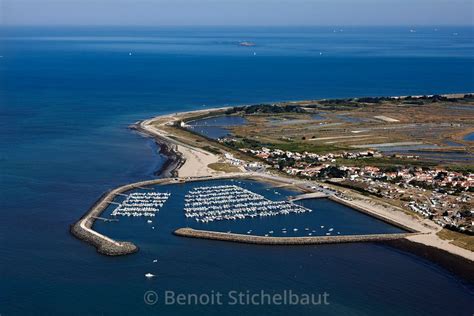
237	12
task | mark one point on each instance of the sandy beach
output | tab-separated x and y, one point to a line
196	161
427	228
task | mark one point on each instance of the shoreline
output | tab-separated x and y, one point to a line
372	214
189	163
455	264
174	159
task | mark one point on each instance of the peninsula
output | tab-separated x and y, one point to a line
334	148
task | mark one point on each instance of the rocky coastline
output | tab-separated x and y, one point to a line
174	159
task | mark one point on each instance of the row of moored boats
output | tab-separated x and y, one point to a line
141	204
231	202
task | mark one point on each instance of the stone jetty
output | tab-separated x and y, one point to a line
264	240
311	195
82	229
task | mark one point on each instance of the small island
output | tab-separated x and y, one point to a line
247	44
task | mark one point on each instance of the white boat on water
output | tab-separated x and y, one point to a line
149	275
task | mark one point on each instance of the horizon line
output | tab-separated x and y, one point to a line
237	25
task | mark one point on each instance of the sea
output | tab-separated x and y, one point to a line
67	97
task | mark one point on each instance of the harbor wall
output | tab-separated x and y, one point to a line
102	243
83	229
263	240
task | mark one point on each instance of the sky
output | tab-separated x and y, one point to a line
237	12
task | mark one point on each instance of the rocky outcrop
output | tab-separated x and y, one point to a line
102	243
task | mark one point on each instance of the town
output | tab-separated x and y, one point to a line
444	196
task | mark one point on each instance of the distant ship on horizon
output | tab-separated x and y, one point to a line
247	44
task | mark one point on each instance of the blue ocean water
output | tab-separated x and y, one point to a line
67	96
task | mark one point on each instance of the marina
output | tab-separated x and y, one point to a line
69	97
263	241
248	207
230	202
141	204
